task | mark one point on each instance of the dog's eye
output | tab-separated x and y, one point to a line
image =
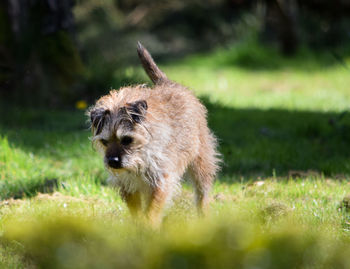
126	140
104	142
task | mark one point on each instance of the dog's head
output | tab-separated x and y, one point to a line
120	133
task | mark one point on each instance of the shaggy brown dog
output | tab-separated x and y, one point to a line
150	137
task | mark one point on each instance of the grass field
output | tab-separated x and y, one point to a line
280	200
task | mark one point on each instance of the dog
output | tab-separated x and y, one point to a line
150	137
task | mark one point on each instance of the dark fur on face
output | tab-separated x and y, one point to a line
98	118
137	110
133	113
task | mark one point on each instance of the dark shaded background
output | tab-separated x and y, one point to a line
55	52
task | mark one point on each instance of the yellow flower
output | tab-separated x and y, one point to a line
81	104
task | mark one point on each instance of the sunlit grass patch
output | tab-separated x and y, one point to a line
51	235
275	223
248	75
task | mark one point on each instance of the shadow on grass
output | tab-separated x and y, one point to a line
254	143
29	189
259	143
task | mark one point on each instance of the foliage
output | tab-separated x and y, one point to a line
66	241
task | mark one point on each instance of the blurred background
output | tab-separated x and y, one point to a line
59	52
274	76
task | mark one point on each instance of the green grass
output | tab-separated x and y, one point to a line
284	135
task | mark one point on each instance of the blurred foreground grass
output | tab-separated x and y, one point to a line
284	133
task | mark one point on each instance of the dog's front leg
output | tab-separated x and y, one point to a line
133	201
155	205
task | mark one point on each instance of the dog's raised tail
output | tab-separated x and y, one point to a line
152	70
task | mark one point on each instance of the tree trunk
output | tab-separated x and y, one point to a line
281	18
38	48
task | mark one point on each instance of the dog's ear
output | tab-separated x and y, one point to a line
137	110
98	119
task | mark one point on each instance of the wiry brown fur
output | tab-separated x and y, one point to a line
170	136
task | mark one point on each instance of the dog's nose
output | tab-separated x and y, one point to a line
114	162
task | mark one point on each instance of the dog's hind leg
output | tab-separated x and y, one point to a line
202	172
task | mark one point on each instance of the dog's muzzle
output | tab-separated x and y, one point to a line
114	162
